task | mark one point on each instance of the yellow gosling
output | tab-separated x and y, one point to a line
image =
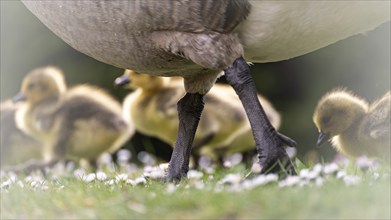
223	127
80	123
356	128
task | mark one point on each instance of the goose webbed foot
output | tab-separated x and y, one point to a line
189	112
276	159
270	144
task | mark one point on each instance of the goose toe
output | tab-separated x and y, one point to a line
278	162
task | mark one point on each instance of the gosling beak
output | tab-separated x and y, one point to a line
19	97
122	80
323	137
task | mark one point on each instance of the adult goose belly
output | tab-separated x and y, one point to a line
280	30
120	32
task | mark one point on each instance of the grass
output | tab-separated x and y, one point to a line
68	197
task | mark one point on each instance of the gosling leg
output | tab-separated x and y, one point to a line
269	143
189	112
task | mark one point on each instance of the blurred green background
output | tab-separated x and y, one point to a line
360	63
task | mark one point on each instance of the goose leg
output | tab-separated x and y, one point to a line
189	112
269	143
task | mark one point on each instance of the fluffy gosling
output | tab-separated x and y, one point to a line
223	127
15	145
356	128
79	123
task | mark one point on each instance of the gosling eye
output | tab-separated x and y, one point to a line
136	73
326	120
31	86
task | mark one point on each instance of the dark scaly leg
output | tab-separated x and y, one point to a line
269	143
189	112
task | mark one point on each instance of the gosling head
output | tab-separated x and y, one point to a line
134	80
336	112
42	84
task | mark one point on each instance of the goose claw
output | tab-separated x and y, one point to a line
276	160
